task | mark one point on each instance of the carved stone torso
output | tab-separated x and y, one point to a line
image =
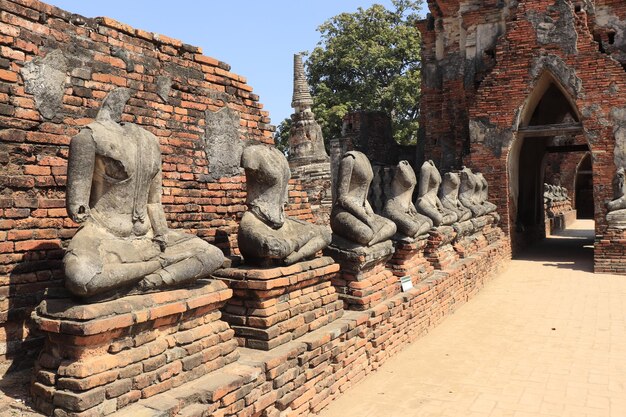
402	186
450	196
468	191
399	206
127	160
429	193
267	189
361	179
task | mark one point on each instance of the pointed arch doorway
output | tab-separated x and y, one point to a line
549	127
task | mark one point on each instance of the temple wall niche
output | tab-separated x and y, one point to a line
55	69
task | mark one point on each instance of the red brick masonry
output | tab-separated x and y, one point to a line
301	377
98	358
273	306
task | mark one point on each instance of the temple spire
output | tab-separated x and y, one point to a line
302	99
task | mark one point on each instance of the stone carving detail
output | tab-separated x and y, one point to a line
223	146
468	193
616	216
114	191
449	196
352	217
266	234
44	78
399	206
428	202
484	194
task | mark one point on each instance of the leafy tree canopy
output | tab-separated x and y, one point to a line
368	60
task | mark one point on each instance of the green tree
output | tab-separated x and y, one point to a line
368	60
281	136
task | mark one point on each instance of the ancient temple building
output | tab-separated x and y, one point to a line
508	84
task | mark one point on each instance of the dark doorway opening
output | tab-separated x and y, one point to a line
549	149
584	189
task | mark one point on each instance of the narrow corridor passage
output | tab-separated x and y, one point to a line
545	338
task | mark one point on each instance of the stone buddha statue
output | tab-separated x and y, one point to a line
484	194
352	217
114	192
468	192
266	235
616	216
449	196
428	202
399	206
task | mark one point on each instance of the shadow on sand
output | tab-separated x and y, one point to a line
568	249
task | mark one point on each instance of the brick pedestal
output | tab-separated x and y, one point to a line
610	252
364	280
273	306
408	259
100	357
439	250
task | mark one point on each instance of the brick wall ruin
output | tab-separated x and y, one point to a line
55	70
487	66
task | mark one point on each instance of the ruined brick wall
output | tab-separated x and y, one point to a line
609	28
55	70
459	39
537	37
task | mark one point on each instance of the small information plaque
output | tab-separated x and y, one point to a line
406	283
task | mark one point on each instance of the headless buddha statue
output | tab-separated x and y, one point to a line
114	192
266	235
450	196
484	194
468	192
352	217
399	206
428	202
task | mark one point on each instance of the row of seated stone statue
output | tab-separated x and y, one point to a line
556	200
461	197
114	192
554	193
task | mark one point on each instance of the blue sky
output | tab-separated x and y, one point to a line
256	37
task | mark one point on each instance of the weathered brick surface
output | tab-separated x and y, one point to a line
481	65
34	227
301	377
93	359
274	306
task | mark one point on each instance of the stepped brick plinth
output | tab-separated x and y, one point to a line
272	306
610	252
439	250
483	234
409	260
100	357
364	280
492	233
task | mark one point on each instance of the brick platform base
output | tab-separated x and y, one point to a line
98	358
273	306
610	252
439	250
301	377
408	260
364	281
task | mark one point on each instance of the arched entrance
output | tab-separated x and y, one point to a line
549	135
